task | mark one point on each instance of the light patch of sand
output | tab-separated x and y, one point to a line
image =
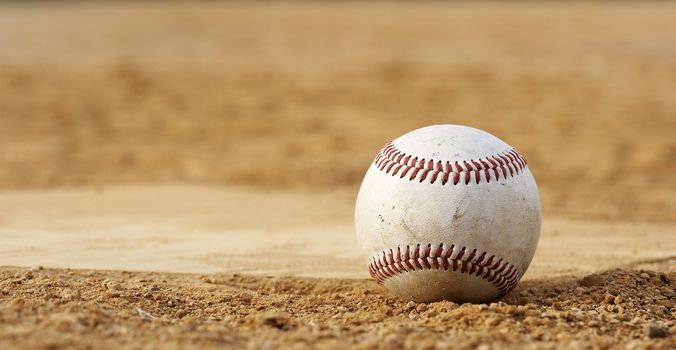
199	229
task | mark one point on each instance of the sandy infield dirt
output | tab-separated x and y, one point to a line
184	175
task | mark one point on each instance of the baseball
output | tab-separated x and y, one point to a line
448	212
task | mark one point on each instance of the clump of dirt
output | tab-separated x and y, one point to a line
48	308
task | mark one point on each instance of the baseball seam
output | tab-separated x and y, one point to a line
392	262
393	161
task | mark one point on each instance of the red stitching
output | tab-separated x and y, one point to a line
508	163
448	257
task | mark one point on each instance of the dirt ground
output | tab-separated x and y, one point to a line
93	309
183	175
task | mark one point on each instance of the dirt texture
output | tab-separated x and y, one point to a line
268	115
617	308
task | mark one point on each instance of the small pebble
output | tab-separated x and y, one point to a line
278	320
653	331
245	297
609	298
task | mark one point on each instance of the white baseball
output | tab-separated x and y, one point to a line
448	212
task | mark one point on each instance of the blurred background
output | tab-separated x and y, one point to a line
301	95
